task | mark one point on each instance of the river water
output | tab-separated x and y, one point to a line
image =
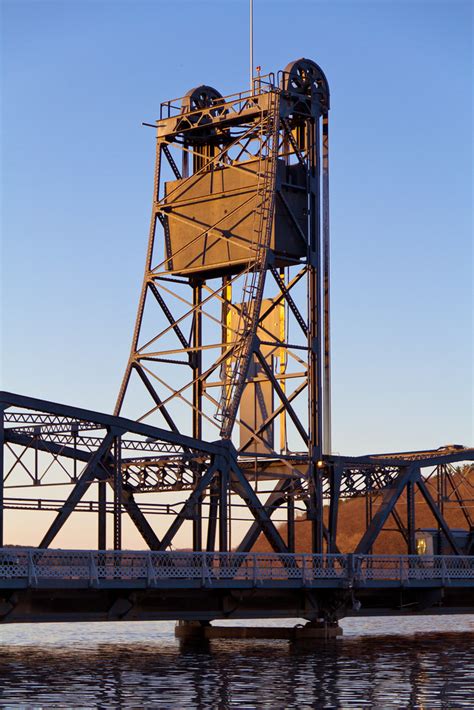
409	662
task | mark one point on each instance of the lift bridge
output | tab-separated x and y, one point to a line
224	408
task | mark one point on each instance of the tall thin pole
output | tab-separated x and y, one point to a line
102	515
2	480
251	46
197	404
117	493
327	444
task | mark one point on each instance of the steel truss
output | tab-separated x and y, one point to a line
36	457
232	344
218	335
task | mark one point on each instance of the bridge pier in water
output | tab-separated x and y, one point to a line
197	631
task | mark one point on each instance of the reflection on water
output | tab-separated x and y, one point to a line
379	663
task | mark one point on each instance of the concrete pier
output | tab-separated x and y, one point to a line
202	630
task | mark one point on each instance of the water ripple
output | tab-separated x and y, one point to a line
136	665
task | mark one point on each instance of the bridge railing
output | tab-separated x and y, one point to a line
208	566
37	565
413	567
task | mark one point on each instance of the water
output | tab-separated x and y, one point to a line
422	662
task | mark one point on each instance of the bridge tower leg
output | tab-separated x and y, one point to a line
2	474
102	515
231	339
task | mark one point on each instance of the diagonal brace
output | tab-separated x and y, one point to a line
389	500
179	333
242	487
276	498
139	520
289	299
256	434
88	475
154	395
437	514
284	399
188	509
49	447
128	501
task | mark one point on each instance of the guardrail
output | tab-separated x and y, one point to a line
94	567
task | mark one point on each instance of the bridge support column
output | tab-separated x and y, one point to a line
317	630
191	630
203	631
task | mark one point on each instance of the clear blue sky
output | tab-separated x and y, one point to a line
78	77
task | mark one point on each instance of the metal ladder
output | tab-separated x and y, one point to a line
252	291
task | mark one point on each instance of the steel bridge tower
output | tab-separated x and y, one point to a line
225	401
231	339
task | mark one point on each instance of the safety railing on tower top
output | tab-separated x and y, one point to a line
261	84
42	566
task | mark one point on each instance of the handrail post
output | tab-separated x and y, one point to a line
150	571
31	569
203	569
93	575
350	569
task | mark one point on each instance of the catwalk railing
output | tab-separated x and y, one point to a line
36	568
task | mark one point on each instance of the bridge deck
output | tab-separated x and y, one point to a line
53	585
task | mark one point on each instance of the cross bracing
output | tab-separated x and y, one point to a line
227	388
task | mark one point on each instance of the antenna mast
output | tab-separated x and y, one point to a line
251	46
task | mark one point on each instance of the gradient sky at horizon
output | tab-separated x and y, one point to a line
79	77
